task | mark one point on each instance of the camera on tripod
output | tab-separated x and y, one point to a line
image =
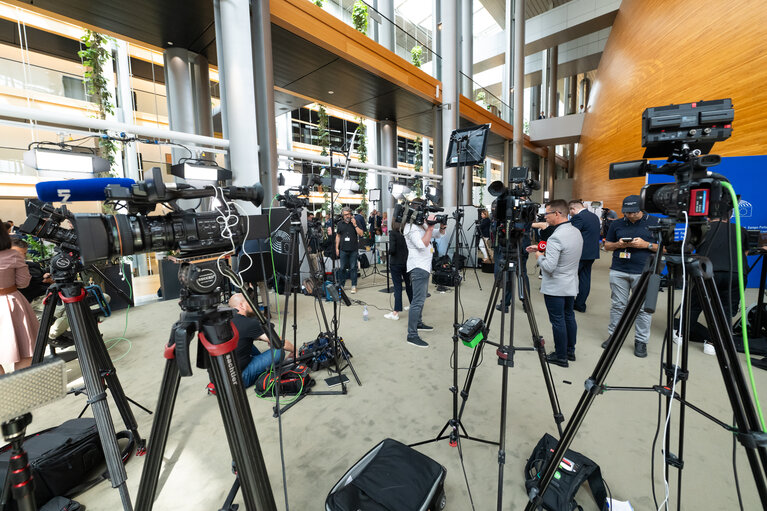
417	211
193	233
684	134
44	221
513	203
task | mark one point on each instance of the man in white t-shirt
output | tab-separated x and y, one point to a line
418	239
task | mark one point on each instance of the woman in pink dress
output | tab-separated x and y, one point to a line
18	322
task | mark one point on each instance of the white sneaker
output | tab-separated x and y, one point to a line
407	308
708	348
677	338
354	290
393	316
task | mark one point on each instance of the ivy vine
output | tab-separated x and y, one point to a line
416	55
417	166
95	57
318	3
360	16
362	141
38	250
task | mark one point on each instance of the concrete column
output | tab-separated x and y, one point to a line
439	156
203	111
372	180
507	160
388	151
436	28
585	87
179	95
544	105
519	79
125	112
450	95
507	80
220	57
467	48
535	102
233	34
553	112
386	32
572	94
263	74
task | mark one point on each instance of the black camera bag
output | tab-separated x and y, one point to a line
293	380
64	458
390	477
560	495
364	261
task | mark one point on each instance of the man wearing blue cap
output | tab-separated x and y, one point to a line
632	244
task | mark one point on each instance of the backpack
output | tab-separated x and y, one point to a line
574	470
364	261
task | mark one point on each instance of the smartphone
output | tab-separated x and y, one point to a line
626	240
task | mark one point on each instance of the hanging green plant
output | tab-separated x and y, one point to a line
360	16
95	57
318	3
363	184
37	249
418	165
323	133
416	55
479	96
362	141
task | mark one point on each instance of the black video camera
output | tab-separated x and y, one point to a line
44	221
683	134
416	212
98	237
513	203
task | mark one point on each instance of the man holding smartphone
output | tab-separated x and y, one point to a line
632	244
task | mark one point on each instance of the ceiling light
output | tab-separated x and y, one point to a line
331	92
200	170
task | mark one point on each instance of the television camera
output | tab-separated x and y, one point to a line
513	210
417	212
684	134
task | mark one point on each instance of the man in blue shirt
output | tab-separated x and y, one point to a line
588	223
632	244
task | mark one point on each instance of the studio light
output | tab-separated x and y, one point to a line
200	170
64	163
346	185
399	191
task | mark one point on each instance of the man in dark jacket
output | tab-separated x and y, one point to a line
588	223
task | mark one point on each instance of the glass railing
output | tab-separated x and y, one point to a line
486	99
12	162
150	103
411	41
41	79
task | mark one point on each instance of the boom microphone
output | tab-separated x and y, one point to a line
74	190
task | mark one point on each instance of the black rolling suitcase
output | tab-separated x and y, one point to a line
390	477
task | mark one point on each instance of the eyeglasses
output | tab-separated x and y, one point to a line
550	213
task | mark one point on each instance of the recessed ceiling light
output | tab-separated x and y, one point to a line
170	43
331	92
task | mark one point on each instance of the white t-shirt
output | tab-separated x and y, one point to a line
419	256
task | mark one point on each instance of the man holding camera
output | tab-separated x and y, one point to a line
632	244
559	268
347	243
588	223
419	263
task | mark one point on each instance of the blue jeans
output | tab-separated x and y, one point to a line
563	324
398	274
259	363
419	280
584	283
348	262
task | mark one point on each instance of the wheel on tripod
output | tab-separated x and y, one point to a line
751	312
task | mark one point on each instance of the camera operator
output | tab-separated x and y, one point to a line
632	245
374	220
559	267
398	256
588	223
347	243
419	264
251	361
500	263
719	245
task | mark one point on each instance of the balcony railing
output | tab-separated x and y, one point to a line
486	99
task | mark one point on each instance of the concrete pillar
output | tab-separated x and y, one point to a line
535	102
436	29
553	112
263	73
585	90
507	80
220	58
519	79
388	152
544	105
439	157
233	34
372	180
386	32
179	95
203	108
125	112
450	95
572	95
467	48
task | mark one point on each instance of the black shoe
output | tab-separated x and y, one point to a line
607	342
501	309
552	358
579	309
571	356
428	295
418	342
424	326
640	349
65	340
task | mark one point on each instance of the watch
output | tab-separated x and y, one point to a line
649	246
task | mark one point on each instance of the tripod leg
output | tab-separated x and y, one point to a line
78	315
158	437
735	384
45	326
504	389
593	388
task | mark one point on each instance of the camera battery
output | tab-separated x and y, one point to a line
472	332
698	202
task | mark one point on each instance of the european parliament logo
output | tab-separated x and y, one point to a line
746	209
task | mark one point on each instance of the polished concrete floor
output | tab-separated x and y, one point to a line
405	395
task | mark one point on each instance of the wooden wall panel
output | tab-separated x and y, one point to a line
662	52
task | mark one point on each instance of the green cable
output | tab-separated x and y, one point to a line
741	290
274	268
117	340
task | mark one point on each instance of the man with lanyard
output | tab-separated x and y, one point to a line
632	244
419	261
588	223
251	361
347	243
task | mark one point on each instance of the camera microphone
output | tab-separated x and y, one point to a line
76	190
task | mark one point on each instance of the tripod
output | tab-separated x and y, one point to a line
96	366
202	280
699	275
